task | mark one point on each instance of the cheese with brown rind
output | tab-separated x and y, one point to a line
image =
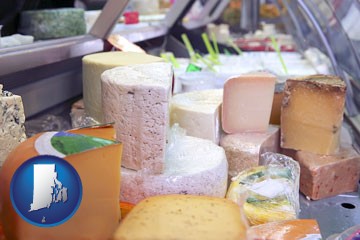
312	114
324	176
183	217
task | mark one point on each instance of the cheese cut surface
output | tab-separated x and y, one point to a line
276	105
247	102
12	121
312	114
193	166
98	214
183	217
286	230
198	113
94	65
329	175
53	23
137	99
243	150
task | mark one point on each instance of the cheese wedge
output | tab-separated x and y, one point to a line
98	214
137	99
312	114
193	166
247	102
12	121
324	176
243	150
198	113
183	217
94	65
296	229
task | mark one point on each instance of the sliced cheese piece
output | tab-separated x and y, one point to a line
243	150
297	229
198	113
137	99
329	175
98	214
247	102
312	113
193	166
94	65
53	23
276	105
183	217
12	121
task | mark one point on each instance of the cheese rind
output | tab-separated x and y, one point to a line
12	122
137	99
183	217
324	176
243	150
94	65
312	114
98	214
247	102
198	113
193	166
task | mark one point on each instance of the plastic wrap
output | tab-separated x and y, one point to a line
352	233
269	192
192	166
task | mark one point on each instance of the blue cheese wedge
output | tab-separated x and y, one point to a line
12	121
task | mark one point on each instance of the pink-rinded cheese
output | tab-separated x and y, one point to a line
328	175
247	102
243	150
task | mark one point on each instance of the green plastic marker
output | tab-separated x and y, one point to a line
208	64
214	40
236	48
193	68
173	60
277	49
189	47
208	46
227	52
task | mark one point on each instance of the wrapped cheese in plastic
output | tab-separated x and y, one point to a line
269	192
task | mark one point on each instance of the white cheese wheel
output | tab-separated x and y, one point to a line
193	166
94	65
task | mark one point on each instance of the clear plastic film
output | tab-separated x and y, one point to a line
269	192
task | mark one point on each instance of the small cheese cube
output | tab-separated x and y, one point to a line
247	102
137	99
328	175
243	150
198	113
312	113
183	217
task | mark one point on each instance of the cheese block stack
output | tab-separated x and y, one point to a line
94	65
12	123
311	118
246	112
137	99
98	213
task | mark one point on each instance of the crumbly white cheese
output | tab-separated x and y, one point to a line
12	129
137	99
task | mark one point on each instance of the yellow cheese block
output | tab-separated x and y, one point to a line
98	214
183	217
312	113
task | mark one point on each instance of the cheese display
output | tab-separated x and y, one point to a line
12	123
269	192
329	175
247	102
312	113
276	105
52	23
98	212
94	65
183	217
192	166
137	99
298	229
198	113
243	150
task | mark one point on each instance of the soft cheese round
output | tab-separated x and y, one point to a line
193	166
